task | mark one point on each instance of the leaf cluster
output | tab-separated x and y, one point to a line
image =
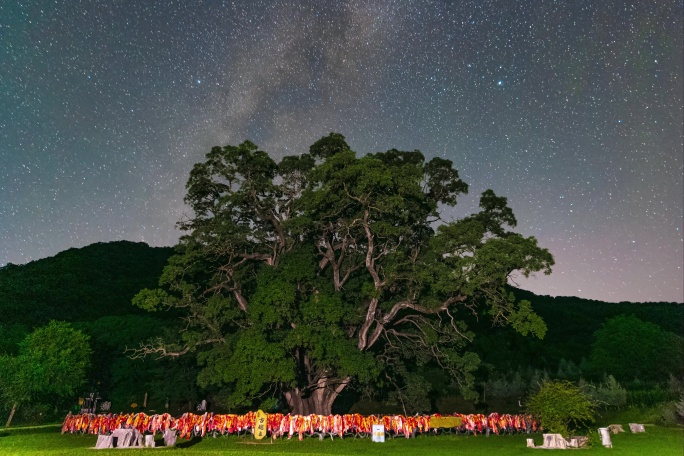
52	360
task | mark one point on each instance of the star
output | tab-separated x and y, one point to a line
98	139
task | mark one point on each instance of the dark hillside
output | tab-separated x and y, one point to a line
79	284
590	314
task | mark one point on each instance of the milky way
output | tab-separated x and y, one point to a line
571	109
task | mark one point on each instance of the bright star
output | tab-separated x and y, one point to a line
499	82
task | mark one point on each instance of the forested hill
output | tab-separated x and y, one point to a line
79	284
571	324
589	313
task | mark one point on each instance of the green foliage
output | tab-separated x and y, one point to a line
37	413
668	414
607	394
10	336
524	320
92	287
611	393
122	379
16	381
507	387
52	361
630	348
113	325
676	389
566	347
412	398
649	397
568	370
561	407
57	357
570	321
150	299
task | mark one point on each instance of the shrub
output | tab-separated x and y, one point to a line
608	394
676	388
611	393
561	406
668	414
648	397
568	370
511	386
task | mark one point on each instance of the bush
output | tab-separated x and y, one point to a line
561	407
668	414
676	388
680	408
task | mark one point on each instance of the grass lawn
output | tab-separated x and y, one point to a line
47	440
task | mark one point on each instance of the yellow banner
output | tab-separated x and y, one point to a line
445	421
260	422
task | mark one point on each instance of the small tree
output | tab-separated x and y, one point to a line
561	406
15	384
611	393
51	360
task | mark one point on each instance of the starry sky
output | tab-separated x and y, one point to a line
572	109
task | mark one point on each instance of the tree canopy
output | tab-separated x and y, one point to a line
52	360
299	277
630	348
561	407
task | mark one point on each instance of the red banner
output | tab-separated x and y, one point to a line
280	425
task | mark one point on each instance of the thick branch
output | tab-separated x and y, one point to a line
375	334
229	286
336	254
366	342
370	259
242	302
370	318
163	351
389	316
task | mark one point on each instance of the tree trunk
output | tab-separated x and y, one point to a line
9	420
318	401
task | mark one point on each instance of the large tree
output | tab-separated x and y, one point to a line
302	276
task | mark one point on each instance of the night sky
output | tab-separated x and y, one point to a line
571	109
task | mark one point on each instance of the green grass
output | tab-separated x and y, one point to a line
47	440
